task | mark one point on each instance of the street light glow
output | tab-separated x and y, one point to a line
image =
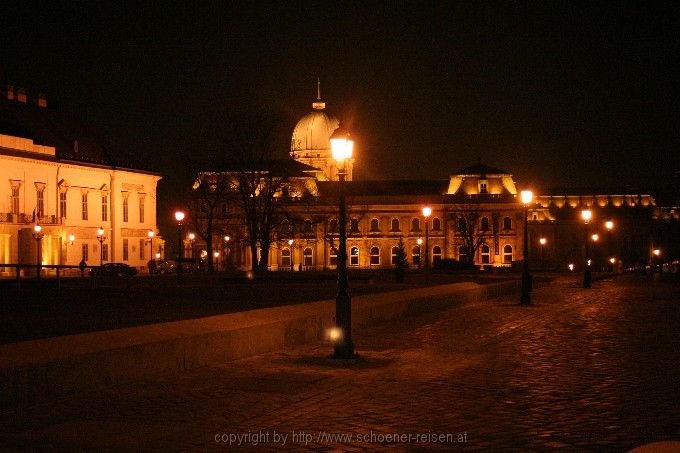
192	236
609	225
427	211
571	266
290	242
586	215
179	216
37	228
341	145
100	231
227	239
151	233
527	196
657	252
335	334
71	238
420	241
595	237
543	241
612	260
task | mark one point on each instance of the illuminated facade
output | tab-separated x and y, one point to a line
69	185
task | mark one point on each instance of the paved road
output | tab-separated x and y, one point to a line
594	370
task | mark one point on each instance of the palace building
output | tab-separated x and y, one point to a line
479	202
53	174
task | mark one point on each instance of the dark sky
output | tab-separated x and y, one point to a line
559	93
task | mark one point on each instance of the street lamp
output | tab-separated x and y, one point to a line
179	217
192	239
525	298
342	146
38	235
151	234
101	238
290	244
427	212
227	251
71	240
217	259
586	215
542	241
420	251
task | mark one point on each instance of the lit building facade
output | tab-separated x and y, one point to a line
71	186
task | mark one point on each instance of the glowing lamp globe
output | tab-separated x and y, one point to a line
342	145
526	196
427	211
179	216
37	228
586	215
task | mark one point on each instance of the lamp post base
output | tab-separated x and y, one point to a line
344	351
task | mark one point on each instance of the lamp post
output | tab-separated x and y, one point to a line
609	225
179	217
342	146
586	215
38	235
151	234
192	241
542	241
227	251
420	251
290	244
217	259
525	298
101	238
427	212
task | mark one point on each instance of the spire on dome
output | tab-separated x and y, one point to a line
319	104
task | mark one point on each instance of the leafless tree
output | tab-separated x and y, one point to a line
467	227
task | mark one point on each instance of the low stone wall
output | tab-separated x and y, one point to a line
39	369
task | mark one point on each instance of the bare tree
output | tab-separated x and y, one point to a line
467	227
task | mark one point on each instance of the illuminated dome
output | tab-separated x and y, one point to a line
313	132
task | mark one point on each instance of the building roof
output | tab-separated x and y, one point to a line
276	167
386	188
481	169
72	141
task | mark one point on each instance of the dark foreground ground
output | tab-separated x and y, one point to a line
593	370
85	305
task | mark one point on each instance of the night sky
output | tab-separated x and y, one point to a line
561	94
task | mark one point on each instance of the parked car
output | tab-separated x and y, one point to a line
114	269
167	267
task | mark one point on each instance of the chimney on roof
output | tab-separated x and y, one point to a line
41	101
10	92
21	95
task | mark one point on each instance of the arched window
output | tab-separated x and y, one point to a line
507	254
462	224
285	257
415	255
394	226
436	253
462	253
507	223
308	257
415	225
354	225
436	224
375	226
375	256
354	256
485	224
485	253
333	226
395	251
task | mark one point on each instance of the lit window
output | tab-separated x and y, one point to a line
333	257
462	253
395	251
375	256
105	207
83	203
308	257
507	254
485	252
436	253
285	258
415	255
482	187
354	256
62	204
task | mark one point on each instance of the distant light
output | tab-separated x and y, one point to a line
427	211
204	253
595	237
335	334
179	216
100	231
192	236
158	255
586	215
420	241
216	254
151	234
250	275
227	239
290	242
37	228
543	241
657	252
71	237
571	266
609	224
527	196
588	262
612	260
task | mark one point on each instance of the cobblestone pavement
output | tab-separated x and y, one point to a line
580	369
